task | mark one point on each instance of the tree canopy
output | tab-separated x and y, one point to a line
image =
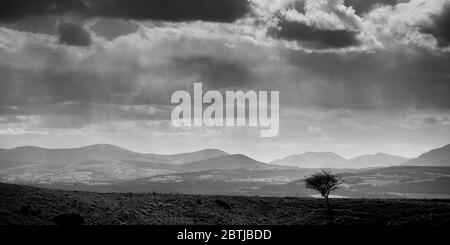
324	182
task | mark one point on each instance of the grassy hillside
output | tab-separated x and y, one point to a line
30	205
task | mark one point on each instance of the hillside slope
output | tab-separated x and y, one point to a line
30	205
100	152
94	164
183	158
333	160
375	160
235	161
435	157
312	160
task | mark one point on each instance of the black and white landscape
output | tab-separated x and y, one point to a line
108	168
86	110
214	187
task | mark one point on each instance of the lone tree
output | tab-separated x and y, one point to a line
324	182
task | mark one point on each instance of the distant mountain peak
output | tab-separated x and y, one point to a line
379	159
213	150
381	154
312	159
104	146
233	161
378	154
101	145
332	160
94	146
27	147
320	153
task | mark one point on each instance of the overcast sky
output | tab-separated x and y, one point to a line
355	76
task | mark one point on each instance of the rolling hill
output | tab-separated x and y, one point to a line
99	152
375	160
184	158
312	160
106	164
61	157
435	157
94	164
333	160
236	161
111	168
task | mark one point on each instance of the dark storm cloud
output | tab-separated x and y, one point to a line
167	10
440	29
113	28
36	24
365	6
433	120
214	72
73	34
312	37
299	6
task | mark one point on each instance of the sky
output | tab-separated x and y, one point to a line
354	76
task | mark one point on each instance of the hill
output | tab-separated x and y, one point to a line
184	158
333	160
94	164
228	162
435	157
375	160
30	205
100	152
312	160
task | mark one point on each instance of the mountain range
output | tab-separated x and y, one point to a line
106	164
333	160
376	160
312	160
99	152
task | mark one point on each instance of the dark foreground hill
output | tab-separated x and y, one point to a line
30	205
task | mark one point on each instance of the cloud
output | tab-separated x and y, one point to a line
214	72
146	66
73	34
79	114
316	25
440	28
166	10
365	6
36	24
299	6
433	120
405	25
313	37
113	28
382	79
314	129
385	24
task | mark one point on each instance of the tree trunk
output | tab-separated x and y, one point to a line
330	214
